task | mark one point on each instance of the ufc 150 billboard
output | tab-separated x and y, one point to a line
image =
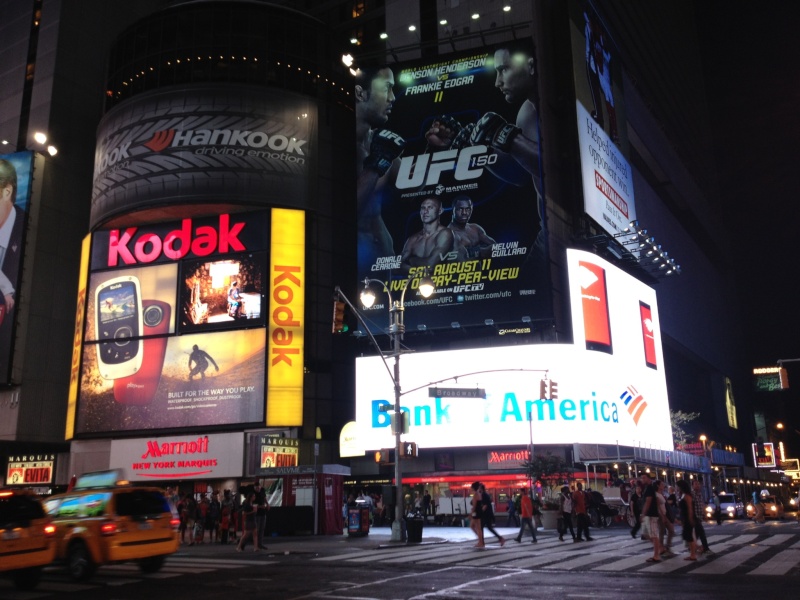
600	111
174	333
608	387
199	144
16	176
450	185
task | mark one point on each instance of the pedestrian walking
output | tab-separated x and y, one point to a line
698	503
249	511
511	508
650	514
526	514
579	506
665	523
565	506
487	514
262	506
686	507
635	506
475	514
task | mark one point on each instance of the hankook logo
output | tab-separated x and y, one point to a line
224	137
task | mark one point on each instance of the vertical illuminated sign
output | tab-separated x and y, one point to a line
286	318
77	339
594	296
647	335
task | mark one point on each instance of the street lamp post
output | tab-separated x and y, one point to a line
396	330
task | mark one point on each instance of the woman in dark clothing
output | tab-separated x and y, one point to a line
487	514
687	518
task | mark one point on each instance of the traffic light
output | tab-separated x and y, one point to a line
339	326
784	376
548	389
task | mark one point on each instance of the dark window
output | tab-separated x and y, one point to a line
141	503
18	511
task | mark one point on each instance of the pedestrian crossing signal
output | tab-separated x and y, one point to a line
384	456
410	450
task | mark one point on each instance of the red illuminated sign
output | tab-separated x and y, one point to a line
148	247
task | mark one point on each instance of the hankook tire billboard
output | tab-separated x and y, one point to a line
203	144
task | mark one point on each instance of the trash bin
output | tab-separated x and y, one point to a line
414	529
358	521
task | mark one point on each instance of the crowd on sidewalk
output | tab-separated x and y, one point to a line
215	520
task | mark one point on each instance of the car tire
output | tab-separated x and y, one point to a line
27	579
79	562
152	564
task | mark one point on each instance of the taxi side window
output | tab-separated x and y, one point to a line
69	507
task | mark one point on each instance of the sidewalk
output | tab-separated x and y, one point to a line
377	538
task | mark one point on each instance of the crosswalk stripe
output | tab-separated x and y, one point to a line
776	539
779	564
728	562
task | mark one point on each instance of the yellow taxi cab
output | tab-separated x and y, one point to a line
773	508
26	538
103	520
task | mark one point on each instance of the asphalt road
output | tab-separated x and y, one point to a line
749	559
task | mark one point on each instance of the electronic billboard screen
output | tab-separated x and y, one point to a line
185	381
449	183
223	294
589	392
174	334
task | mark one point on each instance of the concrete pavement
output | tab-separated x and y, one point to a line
377	538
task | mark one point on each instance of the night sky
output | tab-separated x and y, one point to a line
750	55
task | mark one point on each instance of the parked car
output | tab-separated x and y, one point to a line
27	538
103	525
730	506
773	508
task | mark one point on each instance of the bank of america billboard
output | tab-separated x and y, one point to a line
449	184
204	144
16	175
607	387
606	173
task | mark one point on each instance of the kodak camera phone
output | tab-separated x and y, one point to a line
141	387
118	323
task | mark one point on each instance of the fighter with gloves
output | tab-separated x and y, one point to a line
517	141
377	153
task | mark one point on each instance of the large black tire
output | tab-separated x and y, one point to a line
152	564
27	579
79	562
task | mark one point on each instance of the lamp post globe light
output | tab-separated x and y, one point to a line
396	330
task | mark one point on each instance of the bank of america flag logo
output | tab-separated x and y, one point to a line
635	403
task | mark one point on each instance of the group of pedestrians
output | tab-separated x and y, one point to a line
210	515
574	504
657	509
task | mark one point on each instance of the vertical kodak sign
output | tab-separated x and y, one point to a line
286	318
77	339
